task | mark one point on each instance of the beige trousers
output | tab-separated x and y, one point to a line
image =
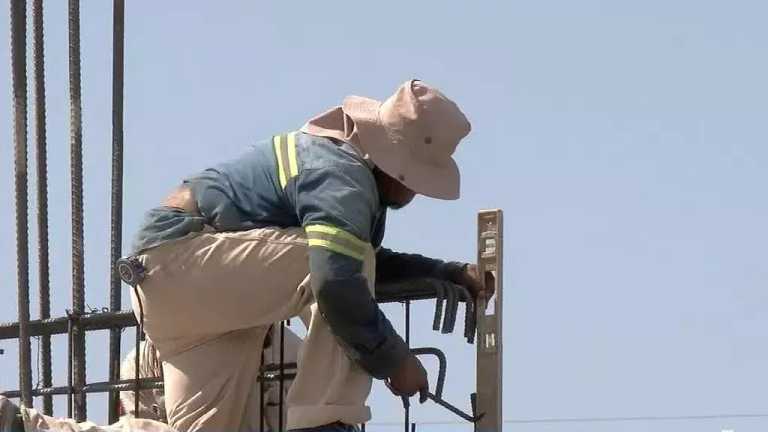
208	301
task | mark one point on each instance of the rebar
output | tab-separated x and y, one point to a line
282	376
41	153
116	219
137	359
262	390
19	72
98	387
59	325
78	246
406	407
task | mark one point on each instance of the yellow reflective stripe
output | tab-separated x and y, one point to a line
285	153
336	248
279	155
337	240
337	232
293	165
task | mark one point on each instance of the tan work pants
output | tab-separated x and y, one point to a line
208	301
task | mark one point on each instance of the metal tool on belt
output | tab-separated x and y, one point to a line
131	270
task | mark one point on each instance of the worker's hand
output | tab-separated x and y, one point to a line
471	280
410	378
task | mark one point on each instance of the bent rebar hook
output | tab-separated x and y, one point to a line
437	396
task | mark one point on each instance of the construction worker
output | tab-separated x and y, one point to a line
152	402
151	413
293	227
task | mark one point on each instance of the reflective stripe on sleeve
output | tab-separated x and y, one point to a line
336	240
285	153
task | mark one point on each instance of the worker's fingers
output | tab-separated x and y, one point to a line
423	394
488	284
439	296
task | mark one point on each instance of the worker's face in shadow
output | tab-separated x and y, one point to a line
392	193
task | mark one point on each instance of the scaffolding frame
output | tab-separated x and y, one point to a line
77	321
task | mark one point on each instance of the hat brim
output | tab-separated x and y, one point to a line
439	180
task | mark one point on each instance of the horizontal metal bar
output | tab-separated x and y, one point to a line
275	377
272	367
99	387
52	326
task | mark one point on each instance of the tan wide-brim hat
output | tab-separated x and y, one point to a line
412	137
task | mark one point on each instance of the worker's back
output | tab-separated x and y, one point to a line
259	189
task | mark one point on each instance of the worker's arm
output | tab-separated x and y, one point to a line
393	266
336	208
401	274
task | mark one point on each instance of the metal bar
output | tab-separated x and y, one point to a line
262	390
137	362
282	376
275	377
443	403
407	407
19	72
69	368
98	387
272	367
58	325
76	150
489	320
116	219
42	197
442	363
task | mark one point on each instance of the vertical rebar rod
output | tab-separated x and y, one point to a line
407	342
262	390
137	359
76	161
116	219
69	364
19	72
41	153
281	398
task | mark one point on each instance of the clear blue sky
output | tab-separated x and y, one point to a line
626	142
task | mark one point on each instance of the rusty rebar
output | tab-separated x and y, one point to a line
78	246
58	325
19	72
41	153
116	219
98	387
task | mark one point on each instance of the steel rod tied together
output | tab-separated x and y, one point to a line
41	164
406	404
78	247
116	217
59	325
282	376
98	387
19	78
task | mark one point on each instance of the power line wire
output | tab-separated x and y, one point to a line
593	419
